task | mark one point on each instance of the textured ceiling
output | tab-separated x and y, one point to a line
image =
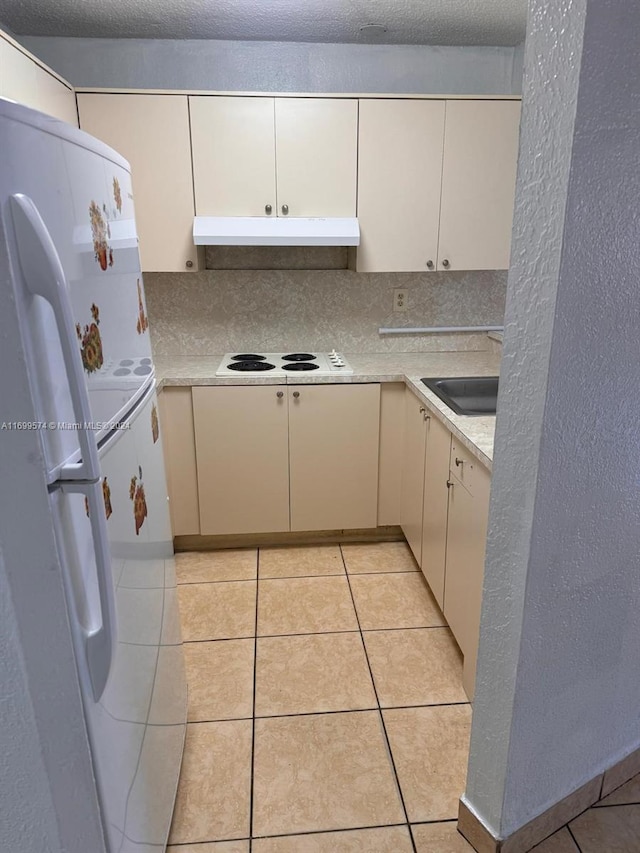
436	22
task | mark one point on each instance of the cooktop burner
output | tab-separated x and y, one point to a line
281	365
300	365
299	356
248	356
246	366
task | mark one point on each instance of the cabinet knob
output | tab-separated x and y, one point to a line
280	394
427	417
429	265
285	209
449	484
445	263
459	462
268	209
422	410
296	394
189	264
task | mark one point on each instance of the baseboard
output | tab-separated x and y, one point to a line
390	533
554	818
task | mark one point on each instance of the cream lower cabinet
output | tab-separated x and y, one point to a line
274	156
242	453
424	491
412	494
444	509
152	133
178	442
275	458
435	507
466	539
333	456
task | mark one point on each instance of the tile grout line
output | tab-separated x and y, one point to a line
574	838
253	706
308	634
375	690
284	578
337	711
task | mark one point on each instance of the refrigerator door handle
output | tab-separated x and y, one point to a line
100	643
44	276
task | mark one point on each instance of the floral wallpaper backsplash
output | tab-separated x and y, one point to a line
218	311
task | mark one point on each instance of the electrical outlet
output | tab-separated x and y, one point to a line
400	299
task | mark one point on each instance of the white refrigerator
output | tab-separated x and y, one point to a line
85	538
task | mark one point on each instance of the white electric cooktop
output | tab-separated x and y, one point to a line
283	364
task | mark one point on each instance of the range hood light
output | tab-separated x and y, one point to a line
275	231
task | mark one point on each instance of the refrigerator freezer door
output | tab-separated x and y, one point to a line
82	190
137	728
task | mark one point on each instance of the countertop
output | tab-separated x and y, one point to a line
476	433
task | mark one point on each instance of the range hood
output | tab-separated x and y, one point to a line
275	231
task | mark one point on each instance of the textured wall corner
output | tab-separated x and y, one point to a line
558	694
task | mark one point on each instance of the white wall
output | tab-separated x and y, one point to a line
280	66
558	687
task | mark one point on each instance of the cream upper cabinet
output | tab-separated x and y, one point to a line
234	161
333	456
24	80
242	452
399	175
152	133
478	184
274	156
316	155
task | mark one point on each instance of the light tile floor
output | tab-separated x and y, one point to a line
326	709
612	825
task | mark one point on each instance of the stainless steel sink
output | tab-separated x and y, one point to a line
467	395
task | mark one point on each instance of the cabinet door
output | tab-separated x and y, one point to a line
390	457
25	81
176	419
478	184
333	452
234	161
152	133
466	538
436	496
243	458
316	150
399	175
415	435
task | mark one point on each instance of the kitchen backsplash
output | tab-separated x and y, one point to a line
218	311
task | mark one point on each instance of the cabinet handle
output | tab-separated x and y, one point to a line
280	394
189	264
459	462
429	265
296	394
427	417
422	410
285	209
445	264
268	209
449	484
